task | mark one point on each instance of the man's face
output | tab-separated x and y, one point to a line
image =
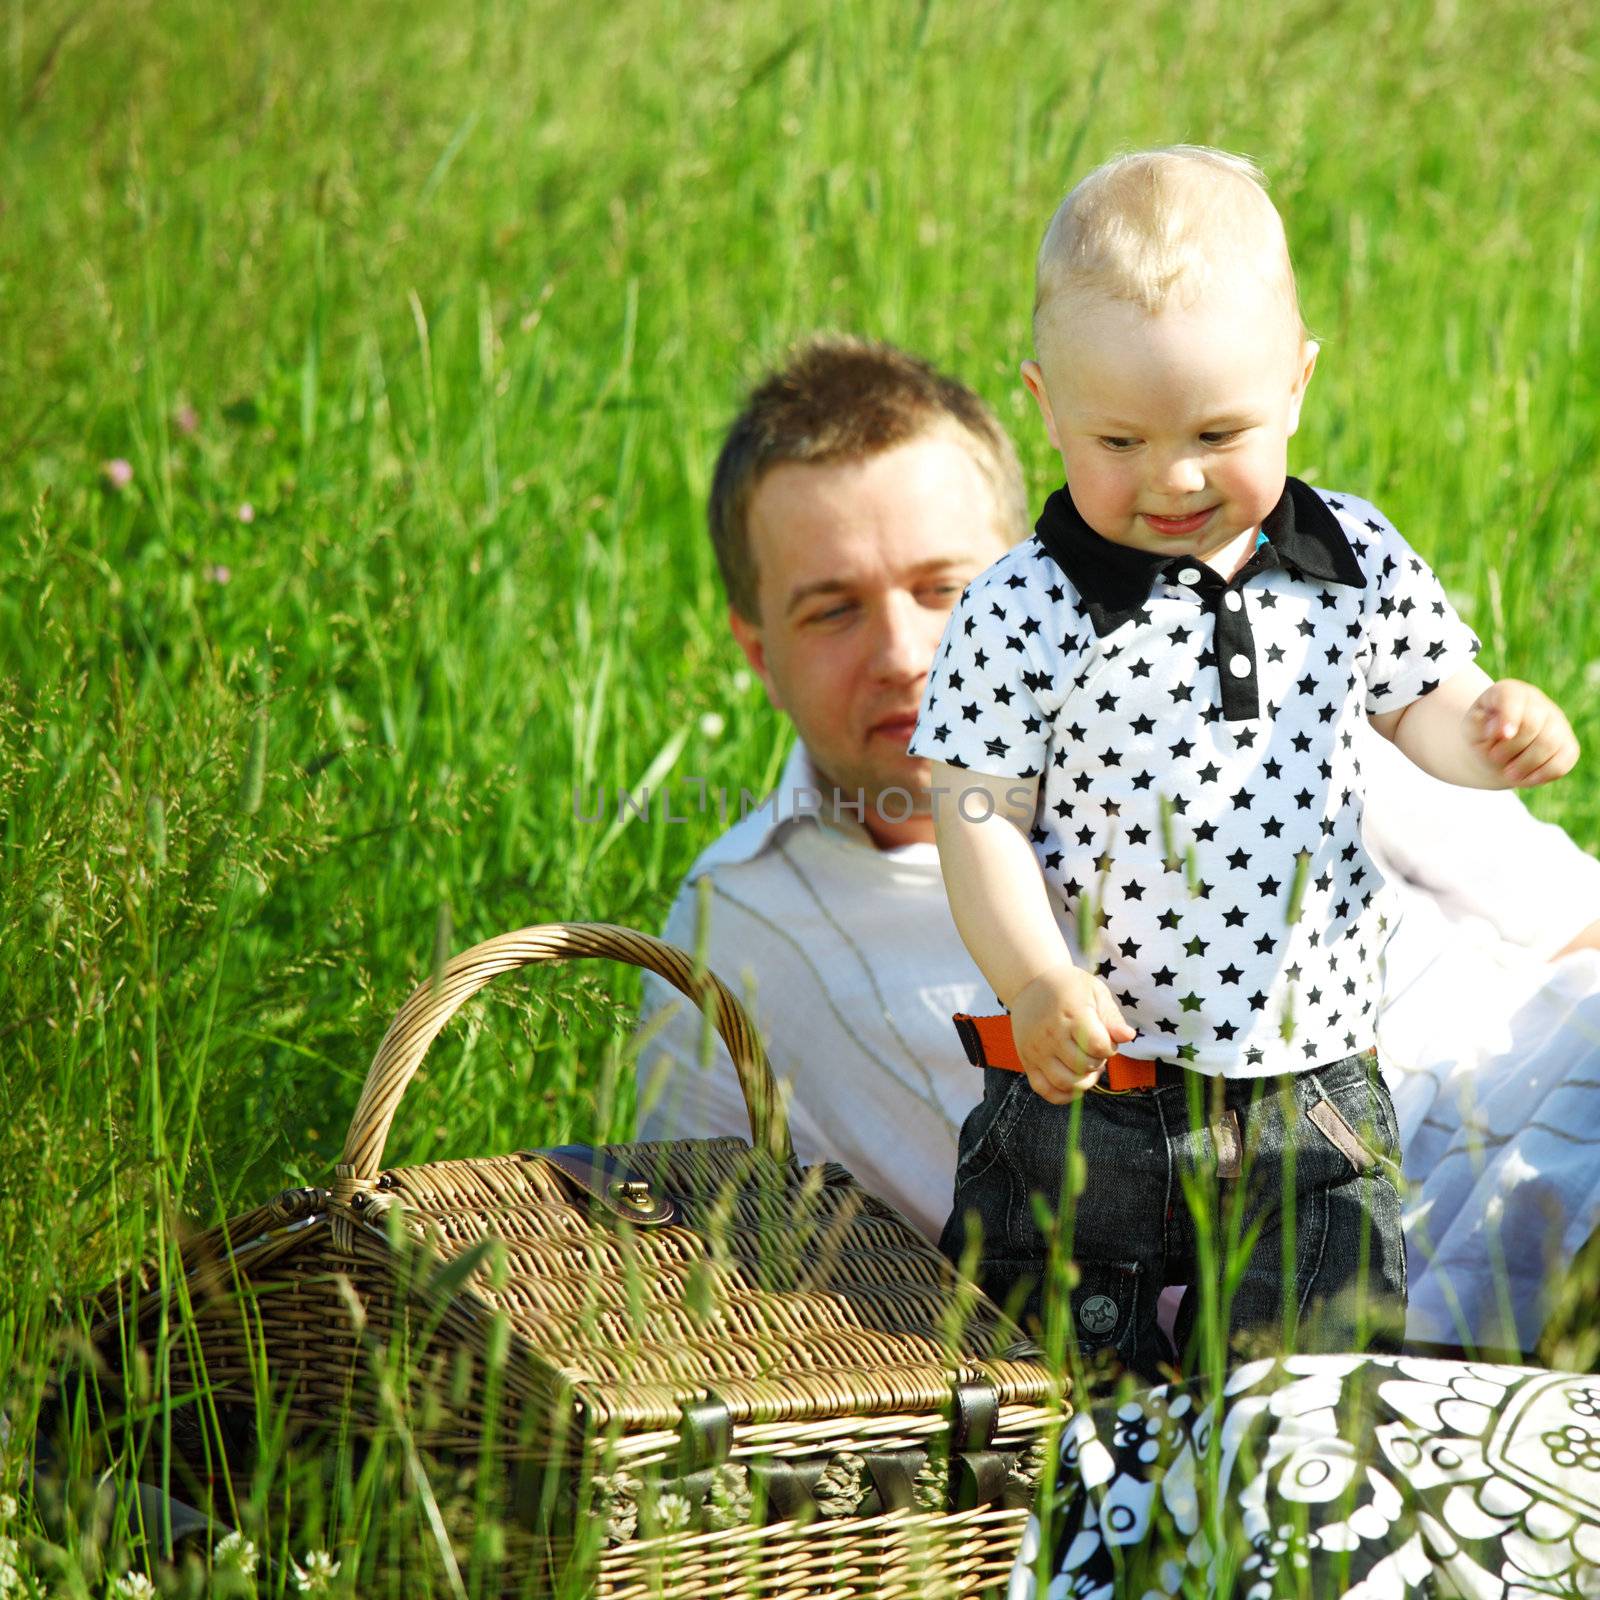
858	565
1174	428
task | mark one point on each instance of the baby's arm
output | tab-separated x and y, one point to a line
1063	1019
1482	734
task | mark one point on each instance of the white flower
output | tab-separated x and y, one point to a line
8	1507
712	724
247	512
1591	675
10	1578
673	1512
741	681
132	1586
235	1551
318	1572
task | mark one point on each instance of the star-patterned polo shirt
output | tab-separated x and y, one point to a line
1199	813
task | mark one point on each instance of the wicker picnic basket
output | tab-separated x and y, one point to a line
699	1369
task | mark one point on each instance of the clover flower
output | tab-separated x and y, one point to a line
235	1551
674	1512
10	1578
317	1574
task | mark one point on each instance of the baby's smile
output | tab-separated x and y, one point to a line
1177	527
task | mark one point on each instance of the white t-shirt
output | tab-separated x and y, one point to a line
852	967
1199	789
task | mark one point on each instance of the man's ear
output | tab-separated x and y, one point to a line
1033	377
748	635
1308	360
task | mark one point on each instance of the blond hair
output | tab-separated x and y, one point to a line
837	398
1157	225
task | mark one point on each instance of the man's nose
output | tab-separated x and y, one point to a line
906	637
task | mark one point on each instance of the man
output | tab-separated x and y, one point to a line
854	497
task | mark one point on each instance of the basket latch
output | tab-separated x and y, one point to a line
616	1186
705	1435
977	1471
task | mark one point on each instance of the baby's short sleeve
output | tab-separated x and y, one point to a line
992	690
1414	638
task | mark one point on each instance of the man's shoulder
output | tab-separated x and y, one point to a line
732	869
742	843
795	797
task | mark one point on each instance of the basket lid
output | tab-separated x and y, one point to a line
786	1294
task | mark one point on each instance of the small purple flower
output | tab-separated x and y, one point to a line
247	512
117	472
218	574
186	419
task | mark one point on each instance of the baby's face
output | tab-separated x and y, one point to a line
1174	428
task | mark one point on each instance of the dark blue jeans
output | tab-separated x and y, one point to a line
1293	1178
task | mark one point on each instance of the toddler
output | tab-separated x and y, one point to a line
1158	690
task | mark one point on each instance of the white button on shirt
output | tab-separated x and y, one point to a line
1231	600
1180	826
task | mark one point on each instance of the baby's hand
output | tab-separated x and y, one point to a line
1065	1023
1520	730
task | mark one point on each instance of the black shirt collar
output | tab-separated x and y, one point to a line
1115	580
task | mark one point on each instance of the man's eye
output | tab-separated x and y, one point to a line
833	613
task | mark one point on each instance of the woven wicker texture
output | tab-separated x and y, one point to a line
790	1296
887	1558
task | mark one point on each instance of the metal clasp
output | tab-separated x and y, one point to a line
621	1191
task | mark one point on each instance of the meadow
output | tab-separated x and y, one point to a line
361	371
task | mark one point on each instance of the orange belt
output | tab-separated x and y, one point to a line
989	1043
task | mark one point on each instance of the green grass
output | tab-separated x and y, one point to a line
458	299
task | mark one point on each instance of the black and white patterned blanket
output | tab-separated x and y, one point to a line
1359	1476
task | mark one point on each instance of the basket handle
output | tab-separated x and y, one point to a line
431	1005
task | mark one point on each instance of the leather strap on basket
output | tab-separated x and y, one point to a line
420	1019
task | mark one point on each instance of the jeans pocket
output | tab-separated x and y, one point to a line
1327	1117
985	1126
1356	1116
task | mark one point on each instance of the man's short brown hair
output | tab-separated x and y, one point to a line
837	398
